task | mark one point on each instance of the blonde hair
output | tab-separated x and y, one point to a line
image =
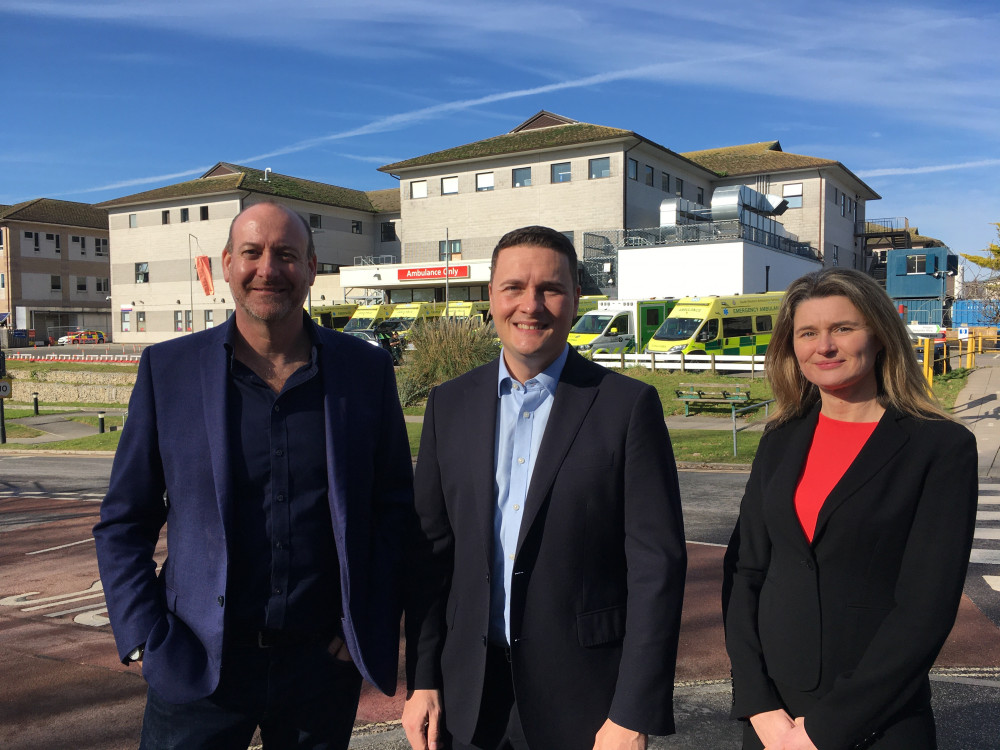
900	383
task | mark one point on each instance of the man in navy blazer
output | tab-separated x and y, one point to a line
276	455
549	568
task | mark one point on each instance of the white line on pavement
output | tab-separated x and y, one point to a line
993	582
988	515
985	556
982	533
61	546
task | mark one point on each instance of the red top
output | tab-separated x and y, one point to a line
834	447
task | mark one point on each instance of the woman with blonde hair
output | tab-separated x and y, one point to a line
846	567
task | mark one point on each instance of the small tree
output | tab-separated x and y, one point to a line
443	348
987	289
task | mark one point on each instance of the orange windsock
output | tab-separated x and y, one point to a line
203	265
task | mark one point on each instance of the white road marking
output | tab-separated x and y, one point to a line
61	546
988	515
982	533
985	556
993	582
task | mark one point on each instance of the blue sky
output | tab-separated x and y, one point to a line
110	97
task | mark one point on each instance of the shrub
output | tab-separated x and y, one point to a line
443	348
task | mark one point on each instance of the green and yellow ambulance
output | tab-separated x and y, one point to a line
333	316
619	326
739	325
367	317
407	314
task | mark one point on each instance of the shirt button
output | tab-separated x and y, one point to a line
510	557
281	498
527	414
277	590
277	408
278	545
279	452
520	460
517	387
517	507
222	601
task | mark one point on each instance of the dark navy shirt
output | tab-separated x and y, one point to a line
283	571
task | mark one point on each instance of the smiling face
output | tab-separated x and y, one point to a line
533	299
835	349
268	267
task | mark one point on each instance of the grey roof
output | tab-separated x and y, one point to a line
226	177
52	211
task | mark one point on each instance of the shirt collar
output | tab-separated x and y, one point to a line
547	378
308	323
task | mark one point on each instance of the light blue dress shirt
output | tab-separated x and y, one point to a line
521	419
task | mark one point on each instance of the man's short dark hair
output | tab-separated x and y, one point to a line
310	246
539	237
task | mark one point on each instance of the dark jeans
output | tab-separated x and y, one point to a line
300	697
499	725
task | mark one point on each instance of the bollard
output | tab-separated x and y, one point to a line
100	423
34	401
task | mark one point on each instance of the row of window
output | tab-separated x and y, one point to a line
316	222
185	216
649	179
597	169
183	320
102	285
848	206
100	243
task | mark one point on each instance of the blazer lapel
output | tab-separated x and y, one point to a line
885	442
781	488
215	402
574	395
481	403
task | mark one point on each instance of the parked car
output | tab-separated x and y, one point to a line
82	337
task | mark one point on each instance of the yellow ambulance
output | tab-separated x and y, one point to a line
367	317
740	324
333	316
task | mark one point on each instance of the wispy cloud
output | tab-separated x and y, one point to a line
140	181
895	171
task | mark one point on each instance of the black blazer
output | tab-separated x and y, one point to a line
599	572
845	630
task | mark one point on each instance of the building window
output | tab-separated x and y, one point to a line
443	249
388	231
140	321
165	217
189	320
484	182
521	177
664	182
133	221
323	269
355	226
449	185
679	187
836	255
792	192
209	319
633	169
600	168
561	172
126	321
315	221
203	213
418	189
100	246
36	236
3	281
142	273
916	263
55	283
179	321
185	215
843	205
81	283
648	174
701	196
102	285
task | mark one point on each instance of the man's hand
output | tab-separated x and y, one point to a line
615	737
771	725
338	649
422	719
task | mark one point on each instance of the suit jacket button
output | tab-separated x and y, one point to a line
484	640
222	601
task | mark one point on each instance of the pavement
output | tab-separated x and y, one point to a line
965	679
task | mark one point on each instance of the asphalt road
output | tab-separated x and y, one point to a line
72	692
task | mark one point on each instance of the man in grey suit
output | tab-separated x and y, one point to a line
549	568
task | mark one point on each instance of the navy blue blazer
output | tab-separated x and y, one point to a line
172	466
599	569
